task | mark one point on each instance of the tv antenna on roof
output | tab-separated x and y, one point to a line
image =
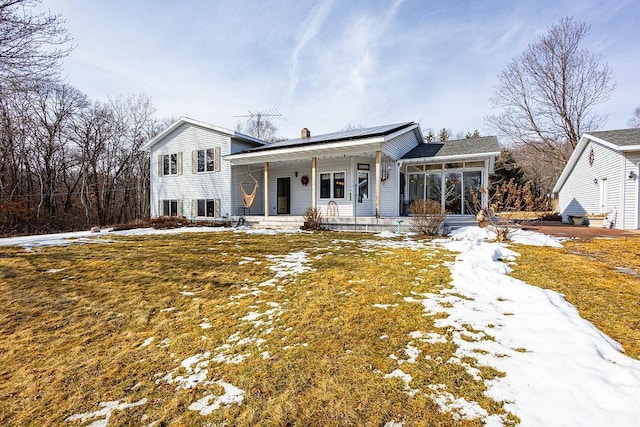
271	112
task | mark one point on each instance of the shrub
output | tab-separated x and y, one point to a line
427	216
138	223
312	219
164	222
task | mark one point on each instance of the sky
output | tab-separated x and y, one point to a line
326	64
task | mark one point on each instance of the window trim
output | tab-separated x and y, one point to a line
169	203
332	184
210	160
162	171
216	208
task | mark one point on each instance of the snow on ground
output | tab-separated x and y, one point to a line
560	369
107	409
78	237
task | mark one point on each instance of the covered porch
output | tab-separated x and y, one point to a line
350	185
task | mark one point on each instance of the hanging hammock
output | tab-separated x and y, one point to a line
249	198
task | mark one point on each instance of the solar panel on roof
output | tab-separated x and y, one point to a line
336	136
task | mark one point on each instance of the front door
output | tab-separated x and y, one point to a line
284	196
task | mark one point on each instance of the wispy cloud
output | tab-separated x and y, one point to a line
308	30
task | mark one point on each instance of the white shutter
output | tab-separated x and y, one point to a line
159	164
160	213
180	163
216	208
179	208
194	161
217	159
194	208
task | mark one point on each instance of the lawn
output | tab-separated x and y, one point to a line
601	277
247	328
237	328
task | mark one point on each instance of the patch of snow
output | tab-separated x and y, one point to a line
462	409
205	325
552	358
384	306
412	354
406	379
232	396
187	293
107	409
146	342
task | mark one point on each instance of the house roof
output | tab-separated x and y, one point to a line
619	140
347	135
186	120
352	142
456	148
619	137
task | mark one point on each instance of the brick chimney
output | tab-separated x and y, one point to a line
305	133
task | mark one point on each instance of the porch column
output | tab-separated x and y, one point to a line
266	188
314	168
378	171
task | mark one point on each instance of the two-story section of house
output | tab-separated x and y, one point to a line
188	176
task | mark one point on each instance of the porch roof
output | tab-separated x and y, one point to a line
352	142
486	146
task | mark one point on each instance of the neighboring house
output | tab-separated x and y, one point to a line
601	177
369	173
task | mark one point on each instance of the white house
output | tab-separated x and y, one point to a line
601	177
188	174
358	175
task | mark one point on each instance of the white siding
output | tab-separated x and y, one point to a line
580	193
389	190
630	213
400	145
300	195
189	186
238	145
239	174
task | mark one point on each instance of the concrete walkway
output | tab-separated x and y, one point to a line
556	228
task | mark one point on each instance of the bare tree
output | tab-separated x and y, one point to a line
259	126
31	44
635	119
547	94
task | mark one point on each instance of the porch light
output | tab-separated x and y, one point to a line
632	175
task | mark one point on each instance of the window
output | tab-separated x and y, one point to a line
208	207
363	186
338	185
325	185
170	164
169	207
332	185
206	160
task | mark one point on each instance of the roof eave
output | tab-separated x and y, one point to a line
274	154
582	143
182	120
450	158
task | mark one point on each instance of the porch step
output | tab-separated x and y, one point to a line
452	222
275	222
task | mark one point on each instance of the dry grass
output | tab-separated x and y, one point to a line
74	337
601	277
